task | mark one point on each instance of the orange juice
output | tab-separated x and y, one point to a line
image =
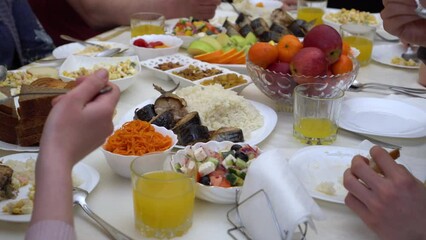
146	29
316	128
310	13
364	45
163	203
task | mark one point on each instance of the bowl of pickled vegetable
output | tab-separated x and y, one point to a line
219	168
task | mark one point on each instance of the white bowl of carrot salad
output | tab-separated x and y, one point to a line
134	139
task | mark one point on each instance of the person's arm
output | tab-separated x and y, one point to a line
104	13
400	19
78	123
392	205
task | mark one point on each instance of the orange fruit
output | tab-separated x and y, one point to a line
239	60
343	65
230	58
288	46
209	57
263	54
346	49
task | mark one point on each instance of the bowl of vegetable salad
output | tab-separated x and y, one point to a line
219	168
190	29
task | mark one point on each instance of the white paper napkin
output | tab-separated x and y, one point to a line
290	201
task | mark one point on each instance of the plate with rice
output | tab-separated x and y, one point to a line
218	107
23	164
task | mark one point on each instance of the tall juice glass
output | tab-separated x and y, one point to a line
143	23
316	112
360	37
310	10
163	200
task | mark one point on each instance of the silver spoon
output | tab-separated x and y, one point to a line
105	53
410	53
85	43
4	98
3	73
79	197
357	87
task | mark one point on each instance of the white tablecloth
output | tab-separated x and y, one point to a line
112	198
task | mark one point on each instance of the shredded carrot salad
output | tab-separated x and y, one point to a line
137	138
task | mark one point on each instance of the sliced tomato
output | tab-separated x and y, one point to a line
215	180
218	172
225	183
197	177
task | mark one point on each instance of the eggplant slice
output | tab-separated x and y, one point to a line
146	113
228	134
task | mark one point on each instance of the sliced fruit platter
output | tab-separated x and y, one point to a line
188	71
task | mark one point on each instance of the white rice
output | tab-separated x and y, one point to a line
218	107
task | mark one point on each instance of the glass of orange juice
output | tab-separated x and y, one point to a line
316	112
311	10
360	37
163	200
143	23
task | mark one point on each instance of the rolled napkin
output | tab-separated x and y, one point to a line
289	200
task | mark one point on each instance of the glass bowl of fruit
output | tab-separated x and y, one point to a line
219	168
155	45
277	69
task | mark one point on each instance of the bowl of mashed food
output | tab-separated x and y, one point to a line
122	70
335	18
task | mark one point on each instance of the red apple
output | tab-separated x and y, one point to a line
327	39
280	67
309	61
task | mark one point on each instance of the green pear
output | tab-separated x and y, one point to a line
238	40
198	47
250	38
212	41
223	39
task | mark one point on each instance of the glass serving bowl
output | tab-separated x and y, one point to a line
279	87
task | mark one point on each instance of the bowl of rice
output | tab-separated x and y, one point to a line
135	139
219	107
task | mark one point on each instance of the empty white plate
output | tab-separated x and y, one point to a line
383	117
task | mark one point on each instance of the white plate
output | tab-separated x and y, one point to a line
383	117
239	68
257	136
384	54
85	173
185	61
17	148
317	164
73	48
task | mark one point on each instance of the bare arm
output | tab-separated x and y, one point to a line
107	13
392	205
66	141
400	19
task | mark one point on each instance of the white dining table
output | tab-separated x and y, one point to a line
112	197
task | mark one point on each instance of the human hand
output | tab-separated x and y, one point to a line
202	10
392	205
289	5
80	120
400	19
